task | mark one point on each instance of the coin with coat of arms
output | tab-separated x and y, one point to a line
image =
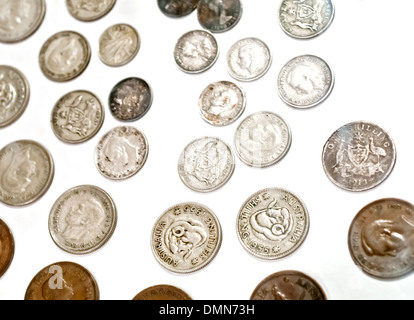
359	156
89	10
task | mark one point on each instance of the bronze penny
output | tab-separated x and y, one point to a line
381	238
6	247
162	292
288	285
63	281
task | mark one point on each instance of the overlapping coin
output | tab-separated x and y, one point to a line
219	15
89	10
6	247
177	8
272	223
162	292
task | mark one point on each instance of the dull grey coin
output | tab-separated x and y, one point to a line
89	10
177	8
219	15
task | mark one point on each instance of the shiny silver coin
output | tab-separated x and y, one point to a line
248	59
262	139
305	19
272	223
64	56
206	164
196	51
14	95
219	15
77	116
121	153
19	19
177	8
305	81
186	238
130	99
82	219
118	45
359	156
89	10
221	103
26	172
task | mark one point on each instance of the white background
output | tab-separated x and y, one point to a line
369	49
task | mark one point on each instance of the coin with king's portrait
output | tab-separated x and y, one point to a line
89	10
219	15
177	8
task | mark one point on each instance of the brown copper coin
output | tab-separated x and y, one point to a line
288	285
162	292
381	238
63	281
6	247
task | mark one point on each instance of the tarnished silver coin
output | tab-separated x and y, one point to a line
221	103
64	56
130	99
77	116
305	81
219	15
196	51
305	19
272	223
248	59
121	153
14	95
26	172
186	238
82	219
118	45
359	156
381	238
262	139
19	19
177	8
206	164
89	10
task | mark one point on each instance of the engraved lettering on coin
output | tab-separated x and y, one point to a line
305	81
89	10
14	95
248	59
206	164
219	15
272	223
305	18
177	8
64	56
77	116
186	238
196	51
221	103
359	156
6	247
118	45
162	292
121	153
262	139
19	19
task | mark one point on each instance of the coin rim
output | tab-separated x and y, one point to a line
10	256
93	18
221	30
163	286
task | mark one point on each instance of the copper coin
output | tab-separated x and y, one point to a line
162	292
288	285
381	238
6	247
63	281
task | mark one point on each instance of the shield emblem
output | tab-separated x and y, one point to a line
358	154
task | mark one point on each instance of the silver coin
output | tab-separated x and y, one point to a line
305	81
177	8
359	156
186	238
221	103
272	223
118	45
196	51
248	59
219	15
89	10
206	164
121	153
82	219
64	56
19	19
262	139
14	95
77	116
305	19
26	172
